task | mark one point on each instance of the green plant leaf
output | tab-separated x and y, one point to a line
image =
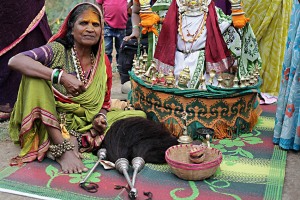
232	143
52	171
246	154
253	140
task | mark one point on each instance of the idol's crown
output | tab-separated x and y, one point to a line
193	7
191	3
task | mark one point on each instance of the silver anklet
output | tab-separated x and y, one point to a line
57	150
78	137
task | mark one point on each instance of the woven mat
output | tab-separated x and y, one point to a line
252	168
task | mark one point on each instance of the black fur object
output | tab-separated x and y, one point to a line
137	136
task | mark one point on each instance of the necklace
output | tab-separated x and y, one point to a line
198	32
196	35
78	69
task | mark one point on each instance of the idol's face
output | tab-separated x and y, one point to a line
87	28
194	5
183	78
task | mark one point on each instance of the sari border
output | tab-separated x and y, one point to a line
61	97
38	113
39	154
31	26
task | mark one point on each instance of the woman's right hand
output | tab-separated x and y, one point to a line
72	84
100	124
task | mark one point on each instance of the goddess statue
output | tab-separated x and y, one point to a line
197	34
203	47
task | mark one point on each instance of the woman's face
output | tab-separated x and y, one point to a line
87	29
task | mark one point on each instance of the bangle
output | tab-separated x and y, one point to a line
239	13
54	76
53	72
135	26
60	75
101	114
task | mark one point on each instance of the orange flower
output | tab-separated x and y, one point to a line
238	18
148	20
290	109
286	73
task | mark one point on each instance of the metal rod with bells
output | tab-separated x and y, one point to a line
101	155
138	164
122	165
93	187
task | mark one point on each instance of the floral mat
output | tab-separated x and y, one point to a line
252	168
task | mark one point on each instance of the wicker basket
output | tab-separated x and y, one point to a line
178	159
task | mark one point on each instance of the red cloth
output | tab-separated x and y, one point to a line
167	40
107	103
215	47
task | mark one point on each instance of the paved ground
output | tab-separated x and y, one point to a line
291	189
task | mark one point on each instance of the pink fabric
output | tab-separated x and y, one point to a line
115	12
267	99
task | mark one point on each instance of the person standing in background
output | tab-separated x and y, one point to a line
127	51
287	122
115	17
24	26
270	23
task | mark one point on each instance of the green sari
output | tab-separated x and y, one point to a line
37	107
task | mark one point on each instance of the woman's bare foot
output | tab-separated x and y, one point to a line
74	141
71	163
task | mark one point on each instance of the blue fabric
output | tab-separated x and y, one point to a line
287	122
109	34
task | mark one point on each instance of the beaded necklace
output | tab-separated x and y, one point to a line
196	35
198	32
78	69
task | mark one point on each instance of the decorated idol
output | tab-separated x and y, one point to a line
215	61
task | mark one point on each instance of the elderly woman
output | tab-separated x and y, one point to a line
64	94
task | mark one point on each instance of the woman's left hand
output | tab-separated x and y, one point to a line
100	124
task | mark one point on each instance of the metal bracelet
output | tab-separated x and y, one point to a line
100	114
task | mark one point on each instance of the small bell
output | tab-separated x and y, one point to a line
212	75
220	81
